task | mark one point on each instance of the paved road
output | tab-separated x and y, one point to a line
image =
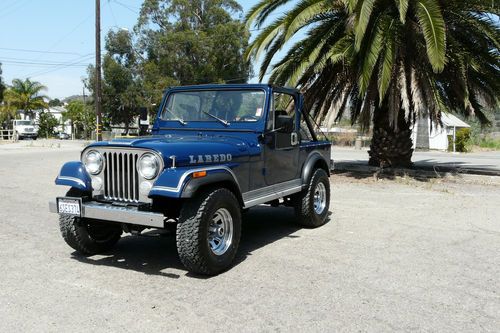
396	256
485	161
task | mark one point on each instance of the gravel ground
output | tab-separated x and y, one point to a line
397	255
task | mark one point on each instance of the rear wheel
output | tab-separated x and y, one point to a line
312	204
88	236
208	232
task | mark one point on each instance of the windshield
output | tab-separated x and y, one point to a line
23	122
223	106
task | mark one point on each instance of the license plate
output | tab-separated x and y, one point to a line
69	206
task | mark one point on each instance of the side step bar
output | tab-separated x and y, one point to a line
108	212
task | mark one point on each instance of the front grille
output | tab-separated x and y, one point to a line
121	180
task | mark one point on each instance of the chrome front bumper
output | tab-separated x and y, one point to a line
108	212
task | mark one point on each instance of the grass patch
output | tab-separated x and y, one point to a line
489	143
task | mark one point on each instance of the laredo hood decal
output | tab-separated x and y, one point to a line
216	158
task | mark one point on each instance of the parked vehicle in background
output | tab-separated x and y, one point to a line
24	129
63	136
215	151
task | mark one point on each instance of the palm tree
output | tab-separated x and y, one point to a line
386	61
26	95
2	85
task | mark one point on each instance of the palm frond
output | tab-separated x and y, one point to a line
374	44
362	19
403	9
261	11
434	31
303	13
388	58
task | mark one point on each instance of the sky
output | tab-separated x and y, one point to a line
52	41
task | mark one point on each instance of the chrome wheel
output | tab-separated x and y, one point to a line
220	231
319	198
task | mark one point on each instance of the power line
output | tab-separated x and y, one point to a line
126	6
18	5
39	51
35	64
9	6
69	33
112	14
59	67
30	61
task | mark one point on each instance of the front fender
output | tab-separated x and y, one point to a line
74	174
179	182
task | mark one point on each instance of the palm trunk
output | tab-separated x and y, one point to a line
390	147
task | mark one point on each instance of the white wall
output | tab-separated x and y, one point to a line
438	139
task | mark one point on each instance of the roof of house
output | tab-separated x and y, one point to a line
450	120
57	109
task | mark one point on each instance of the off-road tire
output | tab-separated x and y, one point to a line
304	202
192	231
86	236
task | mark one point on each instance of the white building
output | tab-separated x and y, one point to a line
57	112
436	138
64	127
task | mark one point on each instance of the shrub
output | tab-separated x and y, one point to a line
46	124
462	140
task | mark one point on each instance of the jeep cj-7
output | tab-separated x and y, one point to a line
215	151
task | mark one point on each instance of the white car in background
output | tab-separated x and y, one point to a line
24	129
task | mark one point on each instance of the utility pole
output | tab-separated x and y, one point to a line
98	92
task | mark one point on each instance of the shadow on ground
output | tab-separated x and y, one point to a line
424	170
155	252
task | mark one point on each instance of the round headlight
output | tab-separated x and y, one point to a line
148	166
94	162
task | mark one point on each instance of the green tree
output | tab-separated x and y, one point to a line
191	42
55	102
81	117
387	62
7	113
2	85
46	124
26	95
121	87
175	42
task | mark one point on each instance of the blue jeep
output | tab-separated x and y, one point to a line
215	151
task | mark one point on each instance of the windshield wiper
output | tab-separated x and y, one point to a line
179	119
224	122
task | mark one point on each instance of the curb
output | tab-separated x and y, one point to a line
440	172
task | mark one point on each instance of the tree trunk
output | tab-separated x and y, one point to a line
390	147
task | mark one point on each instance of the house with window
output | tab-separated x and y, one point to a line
428	136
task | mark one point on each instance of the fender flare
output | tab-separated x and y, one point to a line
194	184
75	175
183	185
311	161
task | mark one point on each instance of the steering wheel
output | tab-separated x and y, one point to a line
249	117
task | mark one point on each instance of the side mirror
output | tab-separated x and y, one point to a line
284	124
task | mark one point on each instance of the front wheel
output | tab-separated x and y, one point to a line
86	236
208	232
89	237
312	204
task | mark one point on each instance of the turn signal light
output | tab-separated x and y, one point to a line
199	174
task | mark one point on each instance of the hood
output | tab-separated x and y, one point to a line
188	149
